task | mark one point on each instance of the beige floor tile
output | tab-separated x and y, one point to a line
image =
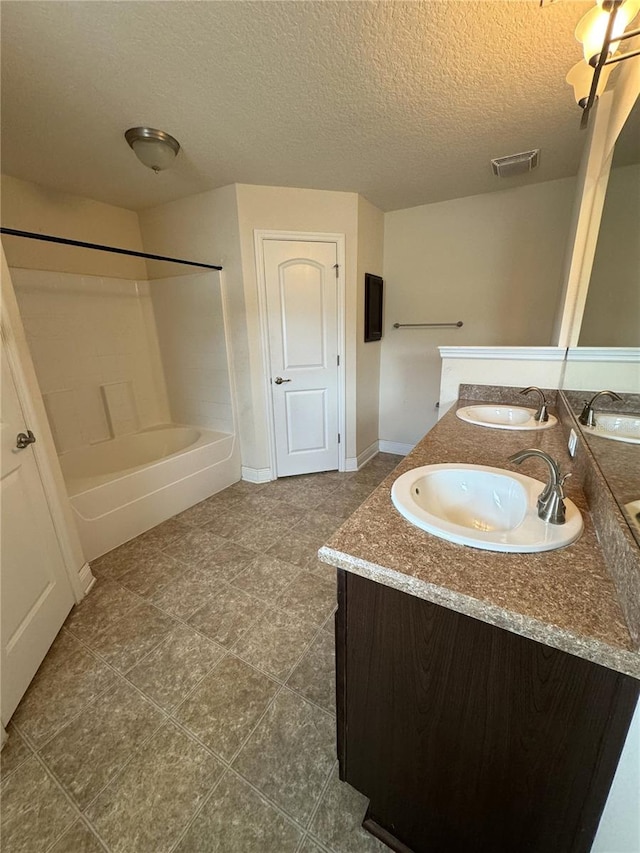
266	577
242	487
146	808
34	810
296	548
183	596
78	839
132	637
264	506
260	533
290	754
276	642
309	597
14	752
68	679
236	819
228	561
209	509
315	676
122	559
197	546
338	821
317	523
226	706
228	524
151	573
323	570
89	751
175	666
339	504
164	534
311	846
227	615
103	606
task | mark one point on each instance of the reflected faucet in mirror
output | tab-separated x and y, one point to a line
587	416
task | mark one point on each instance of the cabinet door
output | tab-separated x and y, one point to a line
466	737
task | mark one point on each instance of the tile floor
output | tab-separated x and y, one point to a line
188	703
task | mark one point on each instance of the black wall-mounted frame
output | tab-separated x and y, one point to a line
373	285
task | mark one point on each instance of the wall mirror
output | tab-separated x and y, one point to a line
608	351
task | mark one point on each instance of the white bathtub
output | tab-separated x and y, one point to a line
122	487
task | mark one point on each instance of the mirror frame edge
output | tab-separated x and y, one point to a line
607	120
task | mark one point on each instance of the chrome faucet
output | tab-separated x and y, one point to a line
542	415
551	507
587	416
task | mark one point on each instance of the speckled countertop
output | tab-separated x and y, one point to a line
563	598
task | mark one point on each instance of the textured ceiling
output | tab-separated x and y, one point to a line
404	102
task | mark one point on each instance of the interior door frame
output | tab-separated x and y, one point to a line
260	237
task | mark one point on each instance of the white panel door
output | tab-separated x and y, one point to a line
302	307
35	593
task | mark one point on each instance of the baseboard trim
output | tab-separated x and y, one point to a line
87	579
395	447
257	475
355	463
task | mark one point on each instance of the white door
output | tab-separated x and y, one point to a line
302	308
35	593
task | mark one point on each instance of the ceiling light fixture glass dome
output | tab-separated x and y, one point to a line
154	148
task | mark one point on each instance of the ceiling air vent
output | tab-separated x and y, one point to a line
515	164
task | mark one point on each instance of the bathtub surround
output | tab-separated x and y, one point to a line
204	673
189	320
94	347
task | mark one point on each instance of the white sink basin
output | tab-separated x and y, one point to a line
616	427
483	507
504	417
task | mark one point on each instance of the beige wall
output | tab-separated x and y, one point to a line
493	261
612	310
286	209
30	207
218	227
370	256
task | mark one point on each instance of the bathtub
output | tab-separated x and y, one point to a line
122	487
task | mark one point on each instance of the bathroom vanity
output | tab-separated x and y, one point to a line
483	699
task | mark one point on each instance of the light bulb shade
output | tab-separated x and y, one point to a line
154	148
581	77
592	28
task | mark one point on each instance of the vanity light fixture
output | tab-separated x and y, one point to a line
601	31
154	148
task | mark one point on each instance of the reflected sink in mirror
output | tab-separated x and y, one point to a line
616	427
504	417
487	508
632	509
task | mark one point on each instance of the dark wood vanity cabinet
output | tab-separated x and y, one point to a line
467	738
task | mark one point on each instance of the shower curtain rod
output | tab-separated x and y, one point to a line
67	242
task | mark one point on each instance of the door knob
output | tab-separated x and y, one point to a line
279	380
24	439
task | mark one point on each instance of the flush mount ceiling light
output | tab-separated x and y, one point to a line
154	148
601	31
